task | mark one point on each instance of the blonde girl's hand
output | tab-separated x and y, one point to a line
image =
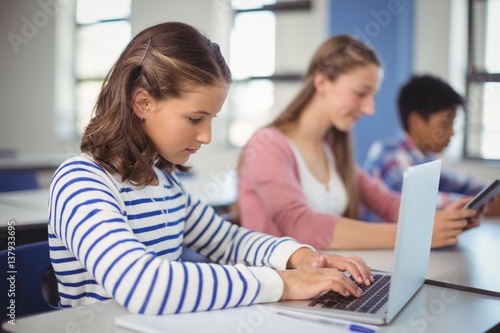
306	283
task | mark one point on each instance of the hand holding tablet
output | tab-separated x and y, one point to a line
485	196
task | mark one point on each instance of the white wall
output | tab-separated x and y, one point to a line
440	49
27	78
432	28
440	39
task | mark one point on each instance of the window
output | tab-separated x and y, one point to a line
271	43
482	133
102	32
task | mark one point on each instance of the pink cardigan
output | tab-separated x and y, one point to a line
271	199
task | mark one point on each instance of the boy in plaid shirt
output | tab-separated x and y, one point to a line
427	108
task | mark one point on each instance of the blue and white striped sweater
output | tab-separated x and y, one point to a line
110	239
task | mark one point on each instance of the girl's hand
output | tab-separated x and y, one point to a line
306	283
307	258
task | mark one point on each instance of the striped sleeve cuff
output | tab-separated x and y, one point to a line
283	252
271	284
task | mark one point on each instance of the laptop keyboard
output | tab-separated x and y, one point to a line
373	298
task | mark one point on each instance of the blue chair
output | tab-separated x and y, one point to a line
17	180
27	280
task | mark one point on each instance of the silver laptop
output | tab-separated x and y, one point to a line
383	300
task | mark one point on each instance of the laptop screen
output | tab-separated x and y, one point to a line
414	235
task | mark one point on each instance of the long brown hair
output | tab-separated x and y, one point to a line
164	60
338	55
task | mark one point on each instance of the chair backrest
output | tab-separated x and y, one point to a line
27	281
18	180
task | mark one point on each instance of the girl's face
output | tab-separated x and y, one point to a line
350	96
178	127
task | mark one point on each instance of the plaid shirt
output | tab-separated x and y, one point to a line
388	159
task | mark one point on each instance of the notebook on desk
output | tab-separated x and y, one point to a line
383	300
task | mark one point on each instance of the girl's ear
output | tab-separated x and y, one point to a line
319	82
142	103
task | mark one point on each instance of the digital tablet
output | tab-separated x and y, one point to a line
482	198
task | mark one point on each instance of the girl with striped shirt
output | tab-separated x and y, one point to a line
119	217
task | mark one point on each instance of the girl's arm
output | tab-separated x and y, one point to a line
354	234
96	255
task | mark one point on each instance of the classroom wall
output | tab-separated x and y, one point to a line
27	88
27	66
387	26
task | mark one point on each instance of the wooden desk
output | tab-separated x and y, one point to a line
433	309
473	263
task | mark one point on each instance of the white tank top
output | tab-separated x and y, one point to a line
329	199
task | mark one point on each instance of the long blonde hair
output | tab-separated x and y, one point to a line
338	55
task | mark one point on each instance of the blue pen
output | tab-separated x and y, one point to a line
339	323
